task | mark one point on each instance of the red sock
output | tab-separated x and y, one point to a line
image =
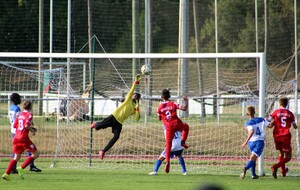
282	162
282	168
11	165
28	160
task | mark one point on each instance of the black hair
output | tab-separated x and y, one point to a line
138	95
165	94
15	98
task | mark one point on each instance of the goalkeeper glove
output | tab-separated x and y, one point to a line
138	77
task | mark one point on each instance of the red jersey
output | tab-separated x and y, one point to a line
167	111
22	120
283	120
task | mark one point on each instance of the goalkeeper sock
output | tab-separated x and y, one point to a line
182	163
249	164
157	165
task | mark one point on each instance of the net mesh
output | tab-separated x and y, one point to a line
216	133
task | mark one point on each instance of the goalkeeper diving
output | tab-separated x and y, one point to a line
129	107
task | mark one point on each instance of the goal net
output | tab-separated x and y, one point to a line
86	88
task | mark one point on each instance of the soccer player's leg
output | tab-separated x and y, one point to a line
116	130
184	127
11	165
158	163
287	155
169	138
30	147
33	168
182	164
106	122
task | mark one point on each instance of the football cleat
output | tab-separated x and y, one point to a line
35	169
15	171
152	173
167	168
274	171
184	173
255	177
20	172
93	125
284	172
243	174
101	154
6	177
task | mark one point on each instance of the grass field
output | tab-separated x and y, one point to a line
86	179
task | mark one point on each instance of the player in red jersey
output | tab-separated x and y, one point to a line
282	119
22	142
167	112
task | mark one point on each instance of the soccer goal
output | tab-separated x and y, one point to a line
219	86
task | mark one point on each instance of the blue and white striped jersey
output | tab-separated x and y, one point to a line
258	124
13	113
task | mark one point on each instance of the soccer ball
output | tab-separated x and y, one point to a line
146	69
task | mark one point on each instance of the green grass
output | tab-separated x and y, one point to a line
85	179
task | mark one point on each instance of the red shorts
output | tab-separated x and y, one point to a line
19	147
283	143
176	125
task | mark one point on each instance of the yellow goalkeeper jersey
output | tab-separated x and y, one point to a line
127	108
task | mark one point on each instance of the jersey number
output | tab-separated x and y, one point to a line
283	121
21	125
257	131
168	115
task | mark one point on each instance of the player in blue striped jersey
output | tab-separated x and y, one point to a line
176	152
255	140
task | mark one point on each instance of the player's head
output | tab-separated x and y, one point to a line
165	94
27	105
15	98
136	96
250	111
283	102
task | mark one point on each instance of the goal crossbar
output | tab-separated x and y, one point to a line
130	55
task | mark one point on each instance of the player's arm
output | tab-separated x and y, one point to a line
131	91
158	114
295	125
270	121
29	126
15	123
137	115
250	133
184	107
271	124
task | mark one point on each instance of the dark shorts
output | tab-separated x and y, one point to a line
173	154
110	121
